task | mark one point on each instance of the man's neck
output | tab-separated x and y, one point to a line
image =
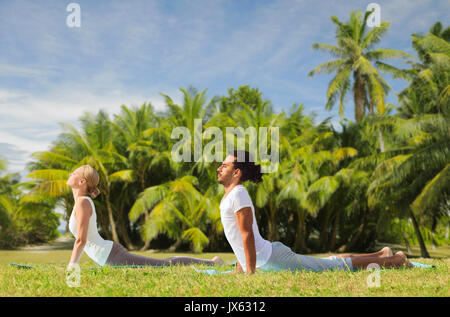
229	187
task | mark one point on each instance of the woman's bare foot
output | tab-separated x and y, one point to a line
218	261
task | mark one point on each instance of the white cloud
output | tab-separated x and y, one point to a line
29	121
128	52
18	71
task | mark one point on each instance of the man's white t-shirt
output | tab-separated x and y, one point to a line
237	199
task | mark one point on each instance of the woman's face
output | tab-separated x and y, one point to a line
76	178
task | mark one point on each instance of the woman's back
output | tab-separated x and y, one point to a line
97	248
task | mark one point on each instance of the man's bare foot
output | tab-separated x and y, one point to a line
218	261
405	261
386	252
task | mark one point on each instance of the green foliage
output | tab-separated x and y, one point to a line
356	57
331	192
23	218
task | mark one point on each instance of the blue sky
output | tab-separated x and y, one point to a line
127	52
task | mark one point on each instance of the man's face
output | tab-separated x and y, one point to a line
226	171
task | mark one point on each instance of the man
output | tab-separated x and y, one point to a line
252	251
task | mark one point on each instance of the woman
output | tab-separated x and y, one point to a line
83	225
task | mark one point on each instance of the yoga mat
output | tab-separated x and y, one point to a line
210	272
422	266
21	266
123	266
215	272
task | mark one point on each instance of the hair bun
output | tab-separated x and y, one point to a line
94	192
250	171
257	176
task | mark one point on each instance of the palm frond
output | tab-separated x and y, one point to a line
196	237
433	193
332	49
328	67
374	35
123	175
319	193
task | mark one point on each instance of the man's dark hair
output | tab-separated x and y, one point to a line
244	162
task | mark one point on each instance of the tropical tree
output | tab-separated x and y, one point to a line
22	218
312	182
415	176
6	204
50	171
177	209
92	146
130	136
358	59
429	87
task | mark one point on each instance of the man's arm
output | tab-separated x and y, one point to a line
244	219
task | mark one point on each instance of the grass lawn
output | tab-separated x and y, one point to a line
49	279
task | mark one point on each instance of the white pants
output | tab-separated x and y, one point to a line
284	259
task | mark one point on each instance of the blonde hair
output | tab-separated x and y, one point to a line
92	180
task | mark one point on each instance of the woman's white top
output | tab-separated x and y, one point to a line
237	199
97	248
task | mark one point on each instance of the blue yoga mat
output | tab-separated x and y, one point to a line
211	272
215	272
421	265
208	272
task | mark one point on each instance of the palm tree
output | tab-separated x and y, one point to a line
195	106
429	80
130	128
313	181
177	209
93	146
357	58
7	204
416	176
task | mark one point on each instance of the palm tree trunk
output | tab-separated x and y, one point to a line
103	223
112	223
300	243
380	141
323	235
349	245
146	246
147	241
146	214
122	227
358	95
423	249
68	213
334	232
408	246
176	245
273	230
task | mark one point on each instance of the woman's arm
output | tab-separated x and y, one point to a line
238	267
244	219
83	212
